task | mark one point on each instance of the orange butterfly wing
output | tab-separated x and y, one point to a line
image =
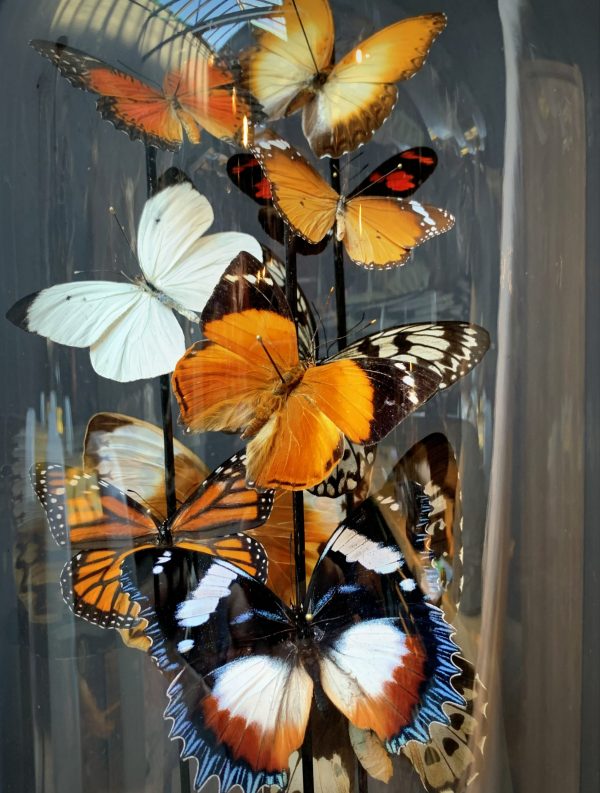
227	384
307	203
296	448
82	508
91	587
205	89
381	232
360	92
321	518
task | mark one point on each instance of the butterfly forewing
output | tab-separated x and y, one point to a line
82	508
400	175
450	349
222	504
129	453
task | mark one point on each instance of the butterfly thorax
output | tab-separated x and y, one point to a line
340	221
167	301
271	402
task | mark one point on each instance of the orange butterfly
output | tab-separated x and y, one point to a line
250	378
128	453
342	104
87	512
201	93
377	231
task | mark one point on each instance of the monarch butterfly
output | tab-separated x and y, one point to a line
128	453
200	93
377	230
342	103
107	525
129	327
250	377
244	666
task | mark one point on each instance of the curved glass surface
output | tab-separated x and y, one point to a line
508	98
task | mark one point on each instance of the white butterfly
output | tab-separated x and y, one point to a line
130	327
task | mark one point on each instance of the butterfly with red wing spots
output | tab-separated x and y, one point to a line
200	93
107	525
379	224
249	378
246	669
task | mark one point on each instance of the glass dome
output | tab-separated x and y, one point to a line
508	100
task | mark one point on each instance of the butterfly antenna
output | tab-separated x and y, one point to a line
113	212
353	329
142	500
317	70
323	328
268	354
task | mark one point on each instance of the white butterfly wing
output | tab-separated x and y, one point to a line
78	313
146	341
174	255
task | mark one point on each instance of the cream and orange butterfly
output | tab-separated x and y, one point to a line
342	103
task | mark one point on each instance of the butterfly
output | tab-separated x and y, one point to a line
251	377
342	103
107	525
128	453
378	223
429	548
129	327
200	93
247	669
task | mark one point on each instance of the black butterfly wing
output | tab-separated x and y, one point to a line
239	698
447	348
400	175
385	654
306	324
245	172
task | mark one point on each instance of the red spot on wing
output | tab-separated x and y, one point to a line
398	181
263	190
